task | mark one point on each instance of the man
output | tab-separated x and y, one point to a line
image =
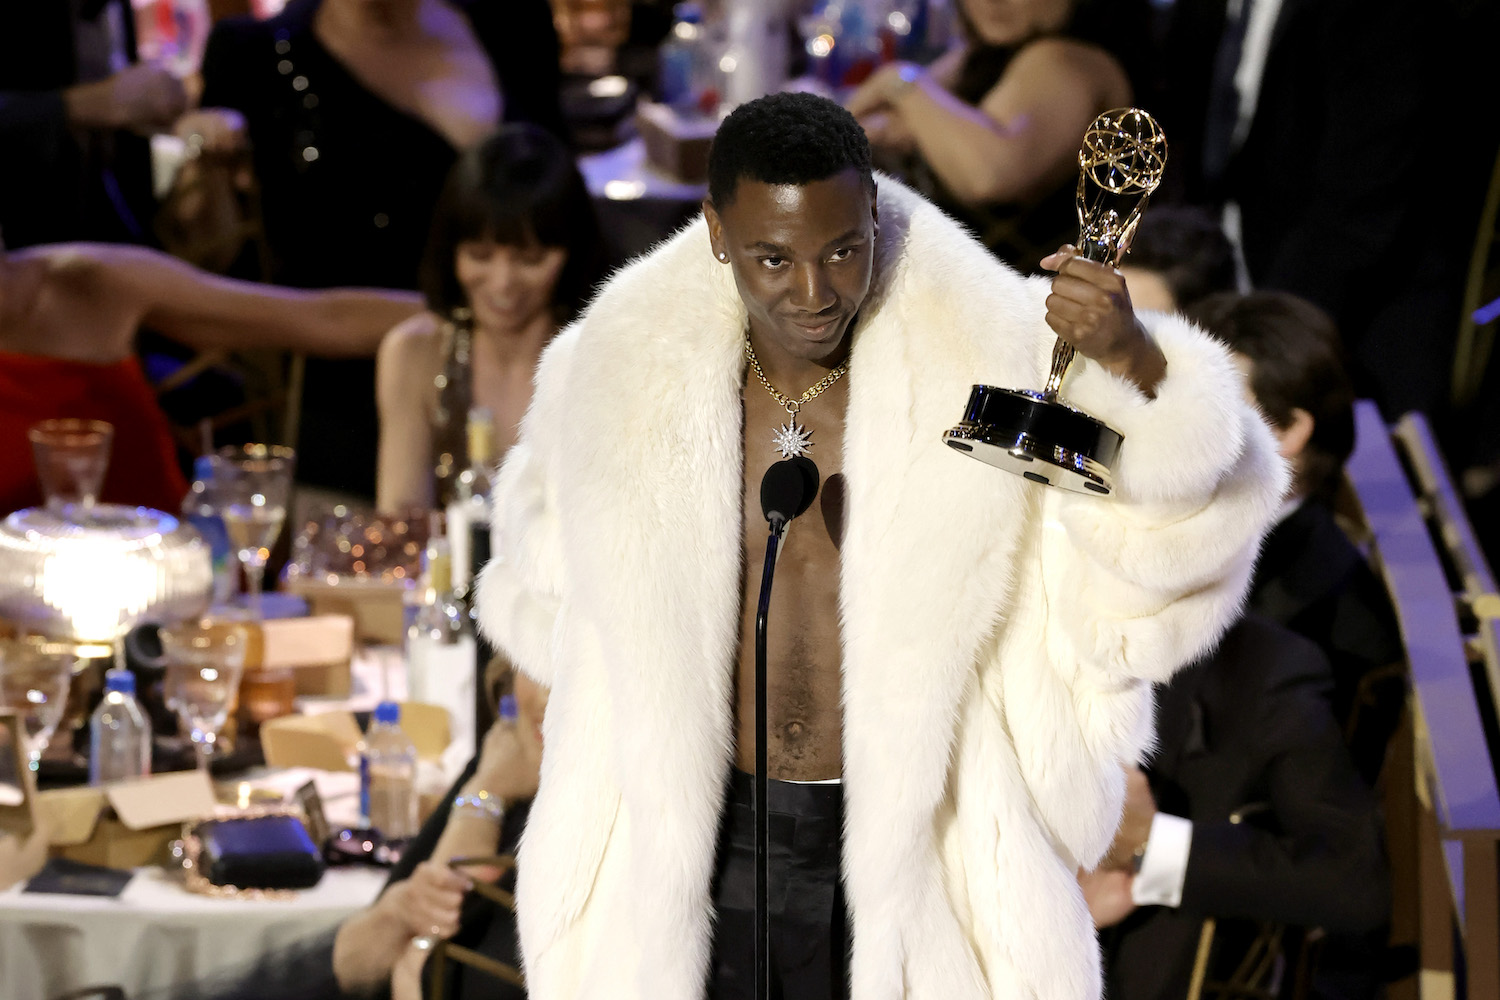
1253	811
626	571
1310	577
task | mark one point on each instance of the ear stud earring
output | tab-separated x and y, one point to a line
723	257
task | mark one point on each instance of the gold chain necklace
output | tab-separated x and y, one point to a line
791	439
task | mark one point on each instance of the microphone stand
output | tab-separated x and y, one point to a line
762	816
786	491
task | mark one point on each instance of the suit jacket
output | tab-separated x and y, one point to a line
58	183
999	638
1251	725
1326	174
1313	580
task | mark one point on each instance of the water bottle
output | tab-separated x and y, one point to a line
687	65
388	776
119	733
200	509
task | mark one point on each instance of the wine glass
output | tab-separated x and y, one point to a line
71	458
252	500
203	662
34	681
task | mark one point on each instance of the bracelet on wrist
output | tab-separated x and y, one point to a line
482	805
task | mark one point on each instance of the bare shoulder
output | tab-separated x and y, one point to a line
84	301
1071	62
409	354
74	266
416	338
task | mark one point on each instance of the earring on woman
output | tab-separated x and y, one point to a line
723	257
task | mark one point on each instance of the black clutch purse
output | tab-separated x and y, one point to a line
258	852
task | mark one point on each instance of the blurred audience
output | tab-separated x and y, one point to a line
516	244
75	107
1310	577
1179	254
1250	810
69	315
354	111
991	129
1376	222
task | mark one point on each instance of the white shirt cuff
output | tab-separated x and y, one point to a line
1164	865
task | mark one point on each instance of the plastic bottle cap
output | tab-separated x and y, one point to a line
203	468
508	710
119	680
687	11
388	712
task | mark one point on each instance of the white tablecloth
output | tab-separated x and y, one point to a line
156	933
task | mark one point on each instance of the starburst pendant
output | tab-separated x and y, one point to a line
792	440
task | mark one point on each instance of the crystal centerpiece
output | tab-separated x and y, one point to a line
90	575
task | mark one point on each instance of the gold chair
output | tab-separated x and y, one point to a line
444	952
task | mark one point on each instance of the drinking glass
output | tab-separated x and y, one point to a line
71	457
34	681
203	660
252	500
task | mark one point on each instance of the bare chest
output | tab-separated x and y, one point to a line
803	647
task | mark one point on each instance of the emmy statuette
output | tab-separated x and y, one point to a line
1034	433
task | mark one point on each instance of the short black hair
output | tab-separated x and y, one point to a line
1186	247
518	187
1297	363
790	138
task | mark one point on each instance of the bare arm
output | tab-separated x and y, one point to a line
404	370
369	943
1021	138
206	311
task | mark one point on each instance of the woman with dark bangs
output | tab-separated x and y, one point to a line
991	129
515	246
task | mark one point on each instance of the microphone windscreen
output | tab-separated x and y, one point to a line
809	471
783	491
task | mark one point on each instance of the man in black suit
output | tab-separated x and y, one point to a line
1344	135
1251	811
1310	577
74	107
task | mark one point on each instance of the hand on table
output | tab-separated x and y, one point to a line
888	131
1090	309
883	88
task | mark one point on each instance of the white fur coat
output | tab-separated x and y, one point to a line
1000	637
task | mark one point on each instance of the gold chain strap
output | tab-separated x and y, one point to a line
789	404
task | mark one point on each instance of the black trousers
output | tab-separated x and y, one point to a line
809	957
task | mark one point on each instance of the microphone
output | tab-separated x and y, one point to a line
787	490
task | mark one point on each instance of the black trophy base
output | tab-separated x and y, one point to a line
1046	441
